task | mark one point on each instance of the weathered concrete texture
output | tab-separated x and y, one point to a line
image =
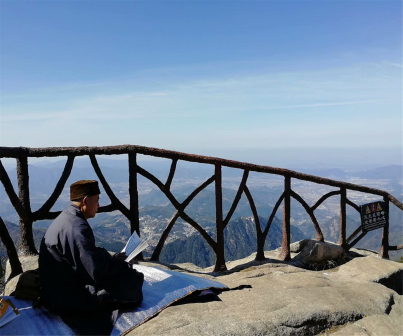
286	300
27	263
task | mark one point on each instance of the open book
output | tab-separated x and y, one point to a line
134	246
7	312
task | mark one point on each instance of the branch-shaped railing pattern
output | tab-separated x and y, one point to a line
15	201
309	210
237	198
176	215
259	236
179	207
324	198
21	202
43	212
116	204
15	264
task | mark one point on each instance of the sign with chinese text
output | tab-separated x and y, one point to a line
373	216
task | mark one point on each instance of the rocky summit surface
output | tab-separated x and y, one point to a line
352	299
361	297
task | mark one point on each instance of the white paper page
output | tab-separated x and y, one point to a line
142	246
132	243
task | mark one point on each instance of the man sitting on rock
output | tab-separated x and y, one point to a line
83	283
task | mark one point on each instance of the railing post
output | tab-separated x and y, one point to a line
260	247
285	250
134	197
133	193
27	245
343	202
384	252
220	258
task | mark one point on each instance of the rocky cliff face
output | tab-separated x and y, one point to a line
361	297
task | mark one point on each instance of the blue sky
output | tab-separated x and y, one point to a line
226	78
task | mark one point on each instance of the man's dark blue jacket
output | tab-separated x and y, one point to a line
74	271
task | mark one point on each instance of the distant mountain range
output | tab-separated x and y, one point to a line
240	242
117	170
393	172
184	245
45	175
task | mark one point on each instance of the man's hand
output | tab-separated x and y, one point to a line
120	256
123	256
133	261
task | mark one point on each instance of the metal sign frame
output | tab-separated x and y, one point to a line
374	215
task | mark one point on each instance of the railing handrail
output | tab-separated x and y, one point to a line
21	202
15	152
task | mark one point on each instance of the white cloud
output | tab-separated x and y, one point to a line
192	110
398	65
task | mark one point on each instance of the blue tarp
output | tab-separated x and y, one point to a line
161	288
33	321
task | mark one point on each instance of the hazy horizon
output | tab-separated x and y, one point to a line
292	158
